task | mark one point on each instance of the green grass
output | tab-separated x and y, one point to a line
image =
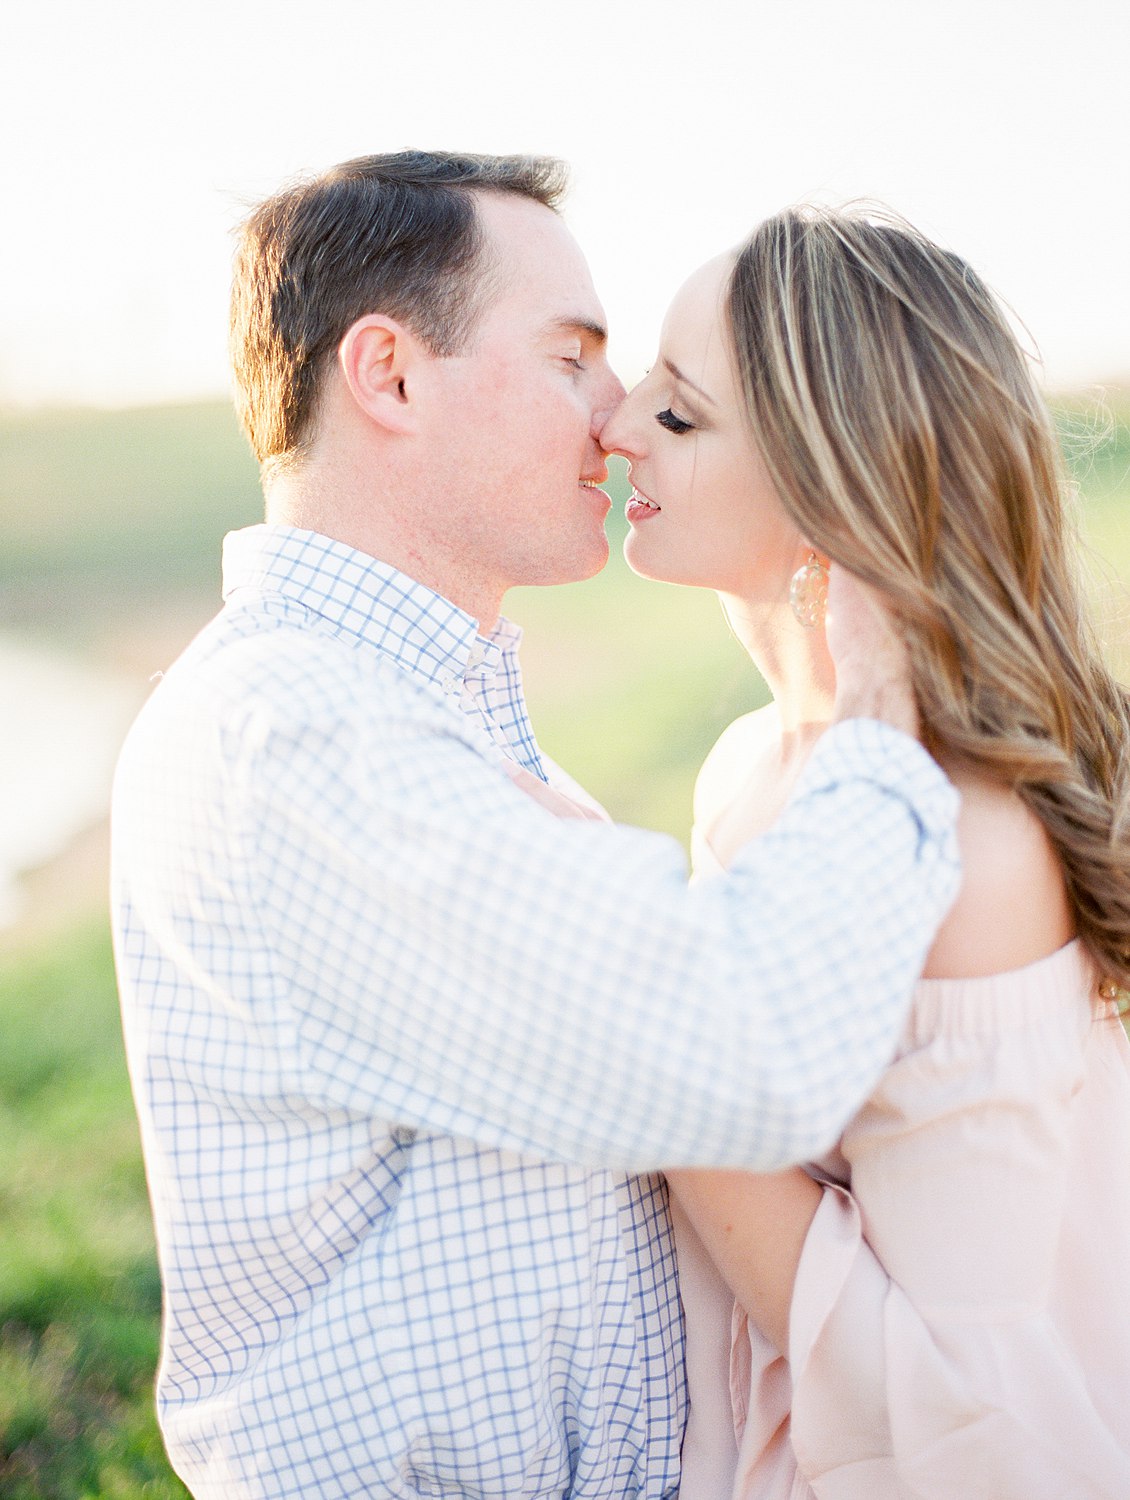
104	517
79	1294
109	512
1097	441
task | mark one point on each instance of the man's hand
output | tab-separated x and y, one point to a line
872	665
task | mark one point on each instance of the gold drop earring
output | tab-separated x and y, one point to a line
808	592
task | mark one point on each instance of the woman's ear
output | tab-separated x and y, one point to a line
806	548
377	357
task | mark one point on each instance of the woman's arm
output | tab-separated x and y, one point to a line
754	1227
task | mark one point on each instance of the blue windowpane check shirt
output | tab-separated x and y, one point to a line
408	1051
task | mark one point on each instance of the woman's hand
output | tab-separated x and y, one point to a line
870	656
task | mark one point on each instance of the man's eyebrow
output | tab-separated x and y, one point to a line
567	324
678	374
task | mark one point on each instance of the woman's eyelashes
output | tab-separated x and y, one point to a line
667	418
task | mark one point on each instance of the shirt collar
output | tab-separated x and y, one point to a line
371	600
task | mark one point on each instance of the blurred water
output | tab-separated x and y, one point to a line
62	726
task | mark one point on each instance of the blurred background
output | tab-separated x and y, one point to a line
135	138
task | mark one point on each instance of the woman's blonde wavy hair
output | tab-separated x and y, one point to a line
906	439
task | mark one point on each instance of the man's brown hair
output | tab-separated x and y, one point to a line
396	234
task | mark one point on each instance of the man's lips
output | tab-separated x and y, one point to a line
592	486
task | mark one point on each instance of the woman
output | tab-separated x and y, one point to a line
935	1309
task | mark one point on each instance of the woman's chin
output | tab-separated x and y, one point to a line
649	562
643	560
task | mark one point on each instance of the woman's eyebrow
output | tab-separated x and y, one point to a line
678	374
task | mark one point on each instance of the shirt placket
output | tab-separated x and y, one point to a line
477	689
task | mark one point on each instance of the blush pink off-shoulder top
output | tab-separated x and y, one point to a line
960	1327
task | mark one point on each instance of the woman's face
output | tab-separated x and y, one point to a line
703	510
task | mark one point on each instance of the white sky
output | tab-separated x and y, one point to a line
136	131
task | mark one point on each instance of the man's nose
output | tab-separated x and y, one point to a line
610	432
604	415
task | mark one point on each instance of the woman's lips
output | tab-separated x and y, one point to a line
639	507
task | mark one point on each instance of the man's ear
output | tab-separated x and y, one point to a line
378	357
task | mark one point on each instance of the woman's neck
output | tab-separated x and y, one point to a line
748	787
795	663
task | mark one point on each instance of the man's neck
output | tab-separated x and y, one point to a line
311	501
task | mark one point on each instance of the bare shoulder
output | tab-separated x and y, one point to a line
726	768
1012	908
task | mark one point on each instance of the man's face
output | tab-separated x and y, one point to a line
515	418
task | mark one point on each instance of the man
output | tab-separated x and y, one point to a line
396	1034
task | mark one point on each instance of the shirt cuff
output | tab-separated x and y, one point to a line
869	750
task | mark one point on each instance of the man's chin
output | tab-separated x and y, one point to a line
575	569
590	565
597	562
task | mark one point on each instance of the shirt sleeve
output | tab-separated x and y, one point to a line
437	951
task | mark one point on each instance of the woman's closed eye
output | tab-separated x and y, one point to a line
667	418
